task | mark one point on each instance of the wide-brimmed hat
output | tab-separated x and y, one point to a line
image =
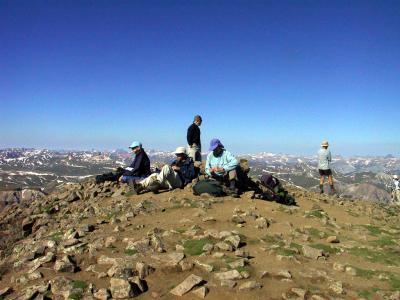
214	144
395	177
135	144
180	150
324	144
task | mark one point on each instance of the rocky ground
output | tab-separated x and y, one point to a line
88	241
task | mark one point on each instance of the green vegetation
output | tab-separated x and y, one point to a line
326	248
195	247
286	252
364	293
130	252
78	284
384	241
56	237
129	194
374	230
394	281
270	239
75	296
385	257
315	214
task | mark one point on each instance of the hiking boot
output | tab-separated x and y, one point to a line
155	187
136	188
233	192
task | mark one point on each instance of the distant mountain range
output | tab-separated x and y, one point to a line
361	177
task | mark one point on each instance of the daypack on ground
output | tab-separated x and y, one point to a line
277	192
210	187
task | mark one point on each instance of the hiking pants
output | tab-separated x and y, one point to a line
194	153
168	178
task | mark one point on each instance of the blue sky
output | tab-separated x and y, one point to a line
275	76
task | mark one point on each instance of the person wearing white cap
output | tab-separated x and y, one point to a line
324	166
396	190
139	168
177	175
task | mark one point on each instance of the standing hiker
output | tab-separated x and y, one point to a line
193	139
221	165
396	190
324	166
140	167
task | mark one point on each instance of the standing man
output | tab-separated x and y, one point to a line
324	166
396	190
140	167
193	139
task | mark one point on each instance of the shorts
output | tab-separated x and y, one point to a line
325	172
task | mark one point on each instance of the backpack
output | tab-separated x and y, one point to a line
278	193
211	187
270	182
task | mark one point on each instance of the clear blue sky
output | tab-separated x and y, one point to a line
275	76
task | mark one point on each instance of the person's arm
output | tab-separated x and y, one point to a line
188	172
231	162
329	156
208	166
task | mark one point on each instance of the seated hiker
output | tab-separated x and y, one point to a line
139	168
173	176
221	165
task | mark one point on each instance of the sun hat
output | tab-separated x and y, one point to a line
135	144
180	150
214	144
395	177
324	144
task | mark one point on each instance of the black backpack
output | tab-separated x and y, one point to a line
207	186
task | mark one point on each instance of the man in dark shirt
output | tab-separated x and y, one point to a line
193	139
140	167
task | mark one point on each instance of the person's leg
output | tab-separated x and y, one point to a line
397	195
169	178
330	181
147	181
321	184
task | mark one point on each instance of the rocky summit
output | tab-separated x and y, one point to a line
88	241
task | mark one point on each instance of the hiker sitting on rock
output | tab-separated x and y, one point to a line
173	176
139	168
221	165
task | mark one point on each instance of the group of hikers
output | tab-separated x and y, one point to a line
221	168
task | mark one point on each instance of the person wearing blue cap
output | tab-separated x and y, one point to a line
221	165
140	167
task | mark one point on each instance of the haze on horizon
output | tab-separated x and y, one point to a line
267	76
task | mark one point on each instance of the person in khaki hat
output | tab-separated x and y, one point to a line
177	175
324	166
396	190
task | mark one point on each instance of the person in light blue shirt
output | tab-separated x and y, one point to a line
324	166
221	165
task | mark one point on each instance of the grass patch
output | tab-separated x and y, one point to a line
326	248
286	252
56	237
79	284
394	281
315	214
364	293
243	269
364	273
75	296
195	247
316	233
180	230
129	194
374	230
384	241
384	257
270	239
110	215
130	252
296	246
